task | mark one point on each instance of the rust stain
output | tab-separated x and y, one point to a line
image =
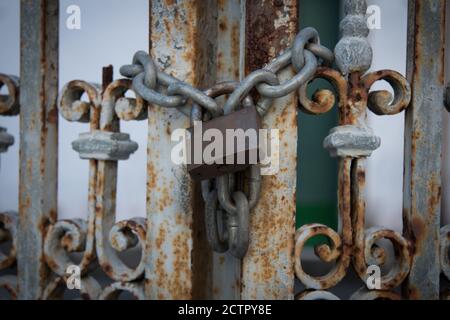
170	2
434	195
221	4
178	287
173	263
165	200
151	176
441	78
161	238
107	268
263	39
53	116
223	25
51	263
29	167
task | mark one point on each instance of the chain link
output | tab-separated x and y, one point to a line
227	210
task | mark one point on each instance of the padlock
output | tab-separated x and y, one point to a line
239	148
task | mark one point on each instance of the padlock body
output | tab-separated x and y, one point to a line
239	146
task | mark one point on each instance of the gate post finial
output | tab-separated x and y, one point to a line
353	52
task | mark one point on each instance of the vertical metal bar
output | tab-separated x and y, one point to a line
183	36
268	268
38	139
423	133
446	128
445	229
227	268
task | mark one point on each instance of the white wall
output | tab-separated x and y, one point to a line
385	166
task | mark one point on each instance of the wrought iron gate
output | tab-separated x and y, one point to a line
202	43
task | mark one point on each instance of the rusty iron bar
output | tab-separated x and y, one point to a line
445	230
267	269
423	135
179	259
39	20
226	269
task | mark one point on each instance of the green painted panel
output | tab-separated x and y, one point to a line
317	172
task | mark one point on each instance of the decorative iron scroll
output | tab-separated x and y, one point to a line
9	106
352	141
99	238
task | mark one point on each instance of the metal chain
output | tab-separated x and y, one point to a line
227	210
160	88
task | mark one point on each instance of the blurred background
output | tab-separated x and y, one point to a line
112	31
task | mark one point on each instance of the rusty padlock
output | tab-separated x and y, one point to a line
238	148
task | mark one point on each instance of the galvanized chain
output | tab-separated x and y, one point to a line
160	88
227	208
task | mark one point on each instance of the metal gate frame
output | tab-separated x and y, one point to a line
233	39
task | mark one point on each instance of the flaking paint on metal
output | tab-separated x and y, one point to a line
267	271
175	40
38	141
423	133
226	268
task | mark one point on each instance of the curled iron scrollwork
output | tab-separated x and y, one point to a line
98	238
353	141
9	103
